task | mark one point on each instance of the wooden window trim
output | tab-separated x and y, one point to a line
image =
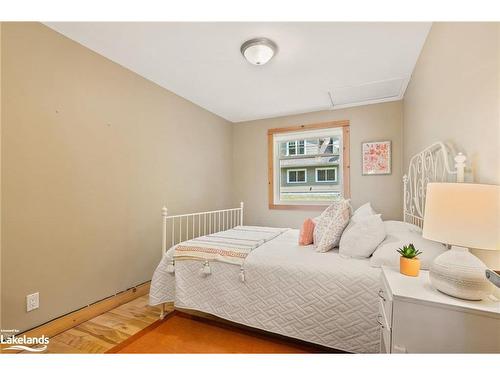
344	124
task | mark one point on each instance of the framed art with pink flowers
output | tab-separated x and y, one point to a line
376	158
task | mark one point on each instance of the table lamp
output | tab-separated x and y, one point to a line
464	216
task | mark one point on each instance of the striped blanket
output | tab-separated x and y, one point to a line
230	246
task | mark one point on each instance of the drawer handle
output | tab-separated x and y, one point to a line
378	320
381	294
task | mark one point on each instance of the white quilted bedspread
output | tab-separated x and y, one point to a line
288	289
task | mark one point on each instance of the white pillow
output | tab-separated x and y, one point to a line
331	235
362	236
392	226
363	211
386	254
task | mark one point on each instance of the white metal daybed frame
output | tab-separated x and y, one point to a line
430	165
178	228
198	224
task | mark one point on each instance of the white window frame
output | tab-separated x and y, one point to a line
296	142
296	170
303	132
326	174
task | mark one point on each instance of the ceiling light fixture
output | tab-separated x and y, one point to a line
258	51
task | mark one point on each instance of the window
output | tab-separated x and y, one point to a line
328	174
295	176
295	147
308	164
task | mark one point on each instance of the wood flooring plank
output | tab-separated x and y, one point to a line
125	324
110	335
83	341
147	314
142	301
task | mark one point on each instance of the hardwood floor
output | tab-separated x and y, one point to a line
105	331
134	327
180	333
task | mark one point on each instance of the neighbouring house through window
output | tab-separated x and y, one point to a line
308	164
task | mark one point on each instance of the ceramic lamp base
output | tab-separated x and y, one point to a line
460	274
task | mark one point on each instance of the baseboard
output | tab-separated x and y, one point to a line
74	318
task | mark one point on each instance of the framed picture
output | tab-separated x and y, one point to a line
376	157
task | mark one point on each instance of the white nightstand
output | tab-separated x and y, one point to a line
416	318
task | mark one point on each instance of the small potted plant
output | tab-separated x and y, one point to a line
409	264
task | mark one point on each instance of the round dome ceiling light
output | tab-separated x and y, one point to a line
258	51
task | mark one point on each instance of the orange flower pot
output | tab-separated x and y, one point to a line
409	267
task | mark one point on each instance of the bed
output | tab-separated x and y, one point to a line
279	286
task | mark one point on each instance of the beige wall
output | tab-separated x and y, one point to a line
454	96
368	123
90	153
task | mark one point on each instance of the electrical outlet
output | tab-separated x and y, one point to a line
32	301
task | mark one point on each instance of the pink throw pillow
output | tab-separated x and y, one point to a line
306	233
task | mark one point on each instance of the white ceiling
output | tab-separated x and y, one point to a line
359	63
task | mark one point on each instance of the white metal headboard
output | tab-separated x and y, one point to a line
178	228
430	165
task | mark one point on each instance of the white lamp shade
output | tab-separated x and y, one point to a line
463	214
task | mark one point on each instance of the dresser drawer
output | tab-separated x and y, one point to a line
385	330
385	303
385	340
382	319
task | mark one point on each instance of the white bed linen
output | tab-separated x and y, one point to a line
288	289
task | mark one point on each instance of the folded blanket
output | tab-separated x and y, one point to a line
229	246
